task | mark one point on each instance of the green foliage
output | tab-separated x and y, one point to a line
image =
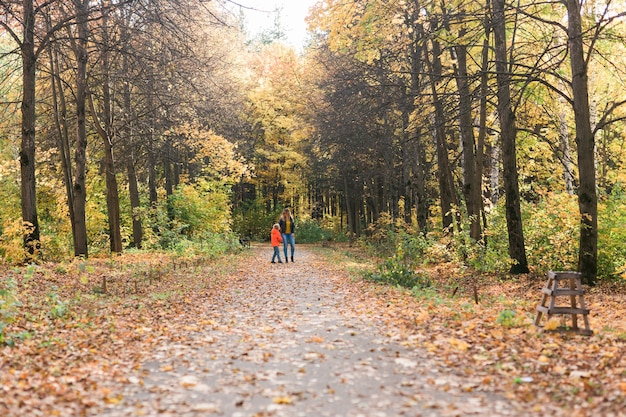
211	244
491	254
9	305
403	252
253	221
200	208
58	308
53	209
388	239
381	236
550	234
97	217
194	220
84	269
431	295
394	271
311	231
551	229
333	228
612	234
507	318
161	296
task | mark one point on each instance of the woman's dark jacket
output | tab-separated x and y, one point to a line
283	225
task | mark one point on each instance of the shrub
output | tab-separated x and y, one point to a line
311	231
395	272
403	252
12	241
612	234
381	236
551	230
251	220
550	235
199	209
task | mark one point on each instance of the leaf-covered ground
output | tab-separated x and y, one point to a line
242	337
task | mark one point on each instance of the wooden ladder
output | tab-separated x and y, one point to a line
564	283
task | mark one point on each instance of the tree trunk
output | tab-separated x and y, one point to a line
113	201
422	203
80	192
566	156
482	114
169	175
447	196
587	197
494	173
407	162
60	119
135	204
421	170
152	177
105	130
133	188
517	251
472	183
152	159
27	150
349	213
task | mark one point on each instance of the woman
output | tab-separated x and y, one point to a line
288	231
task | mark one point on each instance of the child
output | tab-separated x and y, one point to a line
277	239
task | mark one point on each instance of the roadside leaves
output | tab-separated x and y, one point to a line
78	350
495	344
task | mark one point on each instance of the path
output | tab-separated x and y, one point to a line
282	342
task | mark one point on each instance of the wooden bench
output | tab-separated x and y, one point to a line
564	284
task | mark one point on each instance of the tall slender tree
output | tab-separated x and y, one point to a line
27	151
508	134
587	196
104	127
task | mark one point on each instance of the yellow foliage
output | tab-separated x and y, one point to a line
12	242
216	155
552	324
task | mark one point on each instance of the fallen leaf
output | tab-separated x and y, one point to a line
552	324
114	400
188	381
458	344
206	408
407	363
283	400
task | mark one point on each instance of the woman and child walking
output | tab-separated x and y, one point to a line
283	232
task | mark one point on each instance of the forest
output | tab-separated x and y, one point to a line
157	125
486	132
451	152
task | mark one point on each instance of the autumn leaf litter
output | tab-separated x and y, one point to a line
244	337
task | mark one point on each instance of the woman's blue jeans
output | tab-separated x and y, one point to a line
289	239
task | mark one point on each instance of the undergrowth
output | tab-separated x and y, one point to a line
551	227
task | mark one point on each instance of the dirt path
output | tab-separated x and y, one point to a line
282	342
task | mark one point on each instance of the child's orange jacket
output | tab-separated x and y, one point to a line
277	239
